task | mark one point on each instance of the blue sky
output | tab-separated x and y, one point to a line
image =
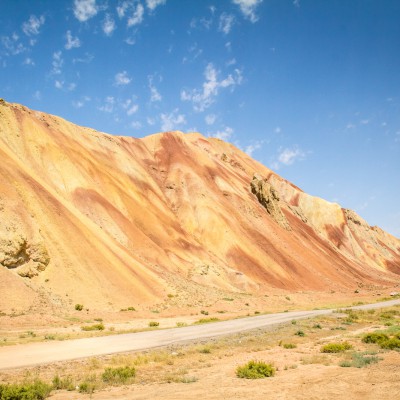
310	88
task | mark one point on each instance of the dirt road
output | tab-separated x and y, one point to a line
49	352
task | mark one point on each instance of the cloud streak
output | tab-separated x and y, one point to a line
85	9
204	98
72	42
32	26
248	8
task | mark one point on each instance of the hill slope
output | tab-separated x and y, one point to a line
109	221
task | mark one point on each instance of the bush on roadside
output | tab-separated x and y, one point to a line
37	390
118	375
375	337
95	327
336	347
255	370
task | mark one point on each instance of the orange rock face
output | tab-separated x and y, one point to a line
111	220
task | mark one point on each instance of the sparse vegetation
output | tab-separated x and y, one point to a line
360	360
390	344
204	312
37	390
63	383
300	333
153	324
336	347
207	320
375	337
95	327
289	345
118	375
78	307
255	370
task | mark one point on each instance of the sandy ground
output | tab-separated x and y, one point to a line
311	381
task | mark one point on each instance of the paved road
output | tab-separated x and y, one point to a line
49	352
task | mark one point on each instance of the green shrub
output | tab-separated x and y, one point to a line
300	333
153	324
36	390
206	320
87	387
204	312
205	350
118	375
78	307
362	360
317	326
255	370
336	347
391	344
289	346
65	383
95	327
375	337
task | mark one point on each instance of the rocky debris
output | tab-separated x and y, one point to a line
268	197
27	259
352	217
298	212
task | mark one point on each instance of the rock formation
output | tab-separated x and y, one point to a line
268	197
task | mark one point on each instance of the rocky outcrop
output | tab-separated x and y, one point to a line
27	259
268	197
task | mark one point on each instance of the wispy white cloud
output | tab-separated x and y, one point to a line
61	85
288	156
86	59
123	8
137	17
37	95
226	22
172	120
85	9
350	126
12	45
210	119
81	102
57	63
32	26
364	122
296	3
122	78
29	61
130	107
130	40
151	121
108	105
278	130
72	42
194	53
248	8
224	134
108	25
202	99
136	124
152	4
251	148
154	93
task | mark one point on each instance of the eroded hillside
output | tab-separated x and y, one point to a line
109	221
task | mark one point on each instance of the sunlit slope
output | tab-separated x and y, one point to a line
114	221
